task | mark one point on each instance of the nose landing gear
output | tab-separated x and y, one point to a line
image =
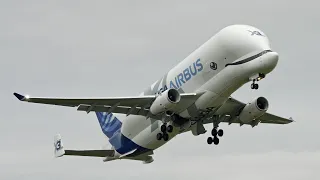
164	132
254	85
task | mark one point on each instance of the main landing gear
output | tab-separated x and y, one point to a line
164	132
215	133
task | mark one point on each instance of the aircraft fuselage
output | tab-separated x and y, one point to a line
234	56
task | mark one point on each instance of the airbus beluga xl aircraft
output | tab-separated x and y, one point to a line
193	93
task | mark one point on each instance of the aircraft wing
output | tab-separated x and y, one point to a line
232	108
138	105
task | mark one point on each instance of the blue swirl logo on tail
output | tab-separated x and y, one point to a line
109	123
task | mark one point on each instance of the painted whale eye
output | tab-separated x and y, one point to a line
213	65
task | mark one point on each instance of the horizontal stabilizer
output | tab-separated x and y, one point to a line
59	150
92	153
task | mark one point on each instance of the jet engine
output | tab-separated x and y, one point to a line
165	102
254	110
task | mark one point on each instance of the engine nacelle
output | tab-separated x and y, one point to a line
166	101
254	110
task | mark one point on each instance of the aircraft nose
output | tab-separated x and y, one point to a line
274	57
270	61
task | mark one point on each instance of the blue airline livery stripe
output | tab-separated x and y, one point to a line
111	127
123	145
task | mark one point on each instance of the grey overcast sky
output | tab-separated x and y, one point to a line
118	48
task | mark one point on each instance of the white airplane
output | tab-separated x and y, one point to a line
193	93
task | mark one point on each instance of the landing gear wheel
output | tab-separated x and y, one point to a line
159	136
163	128
170	128
215	140
252	86
220	133
165	137
209	140
214	132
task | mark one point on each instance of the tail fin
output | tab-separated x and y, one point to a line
109	123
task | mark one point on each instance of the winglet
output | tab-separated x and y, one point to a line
291	119
19	96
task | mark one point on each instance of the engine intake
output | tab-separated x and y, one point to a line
254	110
166	101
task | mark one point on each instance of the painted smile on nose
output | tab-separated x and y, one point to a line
249	58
